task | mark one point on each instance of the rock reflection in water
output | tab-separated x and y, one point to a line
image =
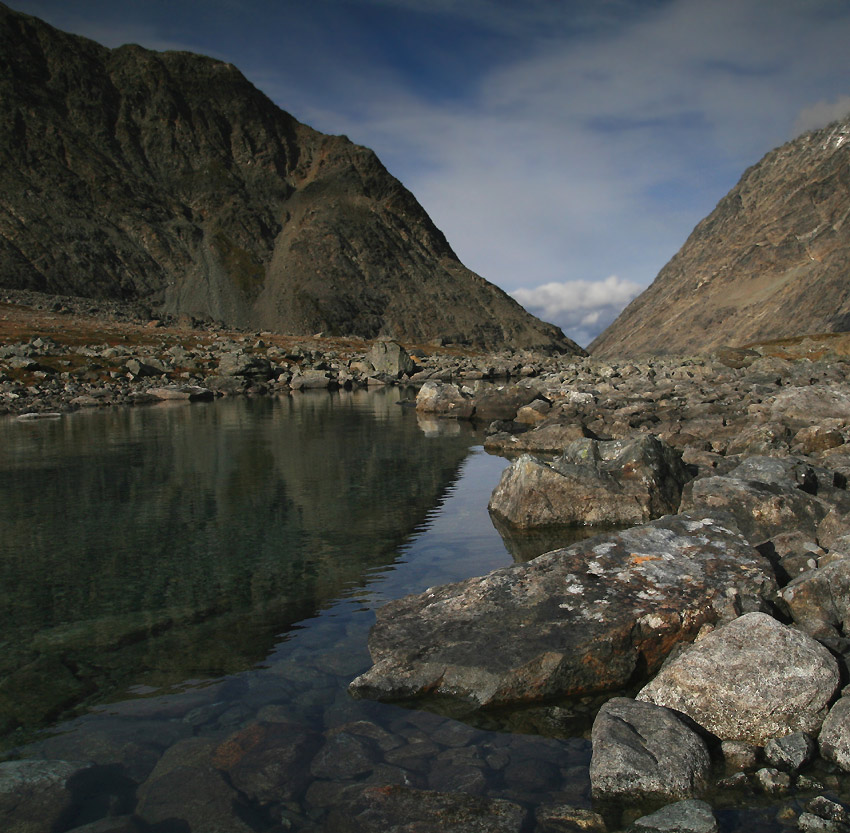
146	546
525	544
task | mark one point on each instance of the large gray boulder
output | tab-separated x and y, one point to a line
642	751
391	358
572	621
550	438
761	510
443	399
312	379
240	363
502	401
834	738
751	680
811	403
819	600
592	483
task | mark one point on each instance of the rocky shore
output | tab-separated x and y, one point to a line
60	353
723	614
702	640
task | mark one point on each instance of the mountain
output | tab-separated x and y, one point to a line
772	260
167	178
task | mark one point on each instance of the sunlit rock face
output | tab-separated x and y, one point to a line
584	619
770	261
167	177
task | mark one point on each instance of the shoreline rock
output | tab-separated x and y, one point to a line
585	619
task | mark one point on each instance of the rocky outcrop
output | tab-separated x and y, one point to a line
592	483
770	261
166	178
579	620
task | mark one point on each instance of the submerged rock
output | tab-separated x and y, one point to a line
37	795
186	787
688	816
751	680
392	809
572	621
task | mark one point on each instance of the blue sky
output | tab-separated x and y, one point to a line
566	149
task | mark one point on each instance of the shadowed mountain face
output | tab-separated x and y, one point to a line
772	260
167	178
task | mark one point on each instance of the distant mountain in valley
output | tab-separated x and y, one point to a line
166	178
771	261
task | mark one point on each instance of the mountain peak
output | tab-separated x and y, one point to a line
771	261
167	177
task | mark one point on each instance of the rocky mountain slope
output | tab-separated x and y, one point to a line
771	261
168	178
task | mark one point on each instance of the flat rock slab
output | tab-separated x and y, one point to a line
688	816
751	680
398	809
192	393
573	621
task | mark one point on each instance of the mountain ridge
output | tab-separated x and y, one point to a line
770	261
168	177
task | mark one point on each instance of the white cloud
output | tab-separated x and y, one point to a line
581	308
599	155
821	114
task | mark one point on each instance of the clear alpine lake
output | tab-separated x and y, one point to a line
176	576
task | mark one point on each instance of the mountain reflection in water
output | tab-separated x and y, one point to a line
147	546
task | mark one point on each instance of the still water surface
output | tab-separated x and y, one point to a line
179	574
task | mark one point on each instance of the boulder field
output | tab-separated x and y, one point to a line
713	618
